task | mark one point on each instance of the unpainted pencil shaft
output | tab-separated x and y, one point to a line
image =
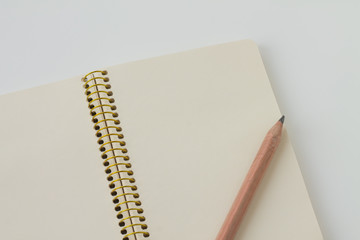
252	180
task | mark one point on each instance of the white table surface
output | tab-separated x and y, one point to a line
310	50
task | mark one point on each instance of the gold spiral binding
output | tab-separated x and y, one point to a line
112	183
112	107
118	208
99	134
97	86
145	234
116	199
106	162
143	226
120	136
122	222
109	93
122	143
117	167
106	79
110	100
94	119
108	169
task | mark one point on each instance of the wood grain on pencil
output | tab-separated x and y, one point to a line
252	179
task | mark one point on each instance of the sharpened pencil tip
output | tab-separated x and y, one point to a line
282	119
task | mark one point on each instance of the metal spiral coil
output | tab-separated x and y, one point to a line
113	151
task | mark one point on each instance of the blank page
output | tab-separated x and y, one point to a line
52	180
193	122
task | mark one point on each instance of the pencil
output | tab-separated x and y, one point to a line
251	181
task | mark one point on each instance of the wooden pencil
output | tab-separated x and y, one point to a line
251	181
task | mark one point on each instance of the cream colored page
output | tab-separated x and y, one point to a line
52	181
193	123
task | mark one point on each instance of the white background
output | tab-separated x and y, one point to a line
310	50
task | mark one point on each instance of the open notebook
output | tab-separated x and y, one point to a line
190	126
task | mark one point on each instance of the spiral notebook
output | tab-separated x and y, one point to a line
151	149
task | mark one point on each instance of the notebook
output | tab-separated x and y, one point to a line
151	149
